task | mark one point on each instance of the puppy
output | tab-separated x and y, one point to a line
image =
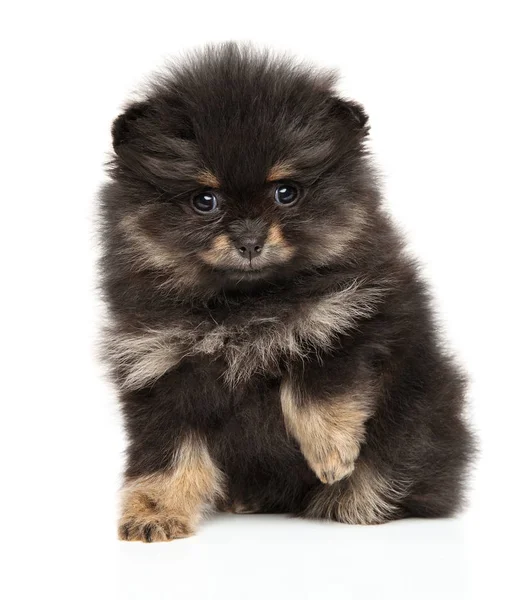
271	341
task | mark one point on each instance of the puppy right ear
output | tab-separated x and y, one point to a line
352	114
125	125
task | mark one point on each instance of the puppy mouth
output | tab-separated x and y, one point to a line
253	266
249	268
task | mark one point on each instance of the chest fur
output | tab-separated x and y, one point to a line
247	344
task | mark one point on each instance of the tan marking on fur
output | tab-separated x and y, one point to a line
208	179
281	170
168	505
221	243
277	240
221	246
331	432
146	250
275	235
334	241
141	356
367	497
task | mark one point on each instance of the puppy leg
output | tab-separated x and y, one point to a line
168	505
328	426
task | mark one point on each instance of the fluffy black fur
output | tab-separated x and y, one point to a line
200	338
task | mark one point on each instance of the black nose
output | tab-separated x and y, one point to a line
249	246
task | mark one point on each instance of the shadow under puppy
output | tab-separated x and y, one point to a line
272	342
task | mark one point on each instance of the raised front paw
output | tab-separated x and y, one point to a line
332	465
330	432
153	529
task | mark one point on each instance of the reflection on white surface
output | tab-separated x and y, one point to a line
270	556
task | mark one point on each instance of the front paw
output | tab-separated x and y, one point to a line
330	433
331	465
153	529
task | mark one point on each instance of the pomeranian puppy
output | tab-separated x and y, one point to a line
271	341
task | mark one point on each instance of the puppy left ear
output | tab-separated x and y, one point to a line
352	114
125	125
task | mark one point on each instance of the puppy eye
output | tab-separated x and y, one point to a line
285	194
205	202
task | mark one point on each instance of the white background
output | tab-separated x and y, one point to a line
447	87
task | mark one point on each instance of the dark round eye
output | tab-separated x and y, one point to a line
205	202
285	194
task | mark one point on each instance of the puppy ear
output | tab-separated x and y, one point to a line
352	114
154	146
125	125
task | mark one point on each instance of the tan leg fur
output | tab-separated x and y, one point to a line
168	505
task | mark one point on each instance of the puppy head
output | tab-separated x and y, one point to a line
238	168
